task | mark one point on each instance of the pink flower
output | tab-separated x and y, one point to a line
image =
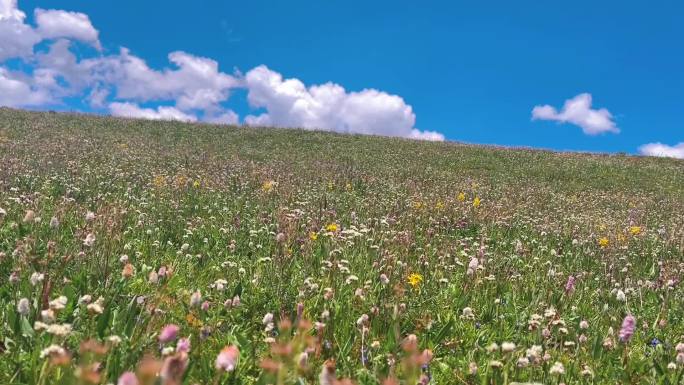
168	333
183	345
627	329
128	378
570	285
227	359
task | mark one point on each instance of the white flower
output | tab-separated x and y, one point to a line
114	340
196	299
58	303
89	240
268	318
472	266
85	299
507	347
90	216
23	307
52	350
557	368
620	296
467	313
36	278
59	330
54	222
47	315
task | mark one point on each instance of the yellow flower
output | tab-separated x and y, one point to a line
635	230
349	187
313	236
461	197
193	321
196	184
415	279
181	180
267	186
159	181
417	204
603	242
331	186
439	205
331	227
476	202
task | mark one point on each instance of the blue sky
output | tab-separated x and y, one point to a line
472	71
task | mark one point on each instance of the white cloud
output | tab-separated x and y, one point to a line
9	10
131	110
18	91
54	24
195	85
578	111
663	150
227	117
289	103
16	38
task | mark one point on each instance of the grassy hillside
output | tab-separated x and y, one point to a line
394	258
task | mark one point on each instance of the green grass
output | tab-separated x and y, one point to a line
254	207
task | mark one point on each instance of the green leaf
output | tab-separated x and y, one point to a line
26	328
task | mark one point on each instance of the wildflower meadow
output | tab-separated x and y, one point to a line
140	252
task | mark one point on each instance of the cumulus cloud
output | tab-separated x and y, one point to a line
62	24
132	110
663	150
290	103
227	117
16	38
196	83
18	90
578	111
194	86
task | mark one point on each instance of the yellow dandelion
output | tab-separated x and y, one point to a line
415	279
196	184
267	186
159	181
331	227
603	242
439	205
313	236
635	230
461	197
476	202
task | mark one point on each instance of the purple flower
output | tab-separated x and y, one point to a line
627	329
570	285
183	345
168	333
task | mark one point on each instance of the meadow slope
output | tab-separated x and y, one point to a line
141	251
